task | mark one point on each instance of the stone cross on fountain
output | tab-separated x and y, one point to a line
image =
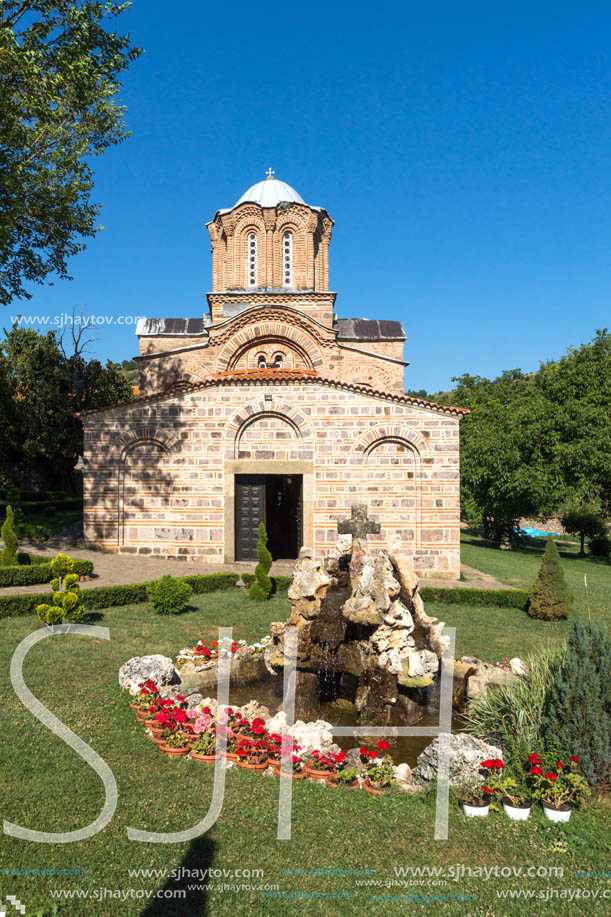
359	526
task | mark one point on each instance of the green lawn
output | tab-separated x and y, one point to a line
46	786
492	633
55	523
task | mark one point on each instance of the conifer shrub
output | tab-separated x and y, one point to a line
9	555
550	597
66	602
262	587
169	596
577	709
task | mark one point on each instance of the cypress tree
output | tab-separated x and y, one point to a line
8	557
577	708
550	596
262	587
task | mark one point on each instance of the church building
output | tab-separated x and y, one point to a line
271	408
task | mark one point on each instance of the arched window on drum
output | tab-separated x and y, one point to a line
287	259
252	259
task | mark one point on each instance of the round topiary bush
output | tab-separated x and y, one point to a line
600	546
169	596
262	587
550	597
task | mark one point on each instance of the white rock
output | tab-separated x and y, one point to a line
157	668
517	666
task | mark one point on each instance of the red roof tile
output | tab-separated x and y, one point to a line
286	376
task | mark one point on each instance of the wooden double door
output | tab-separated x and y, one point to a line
277	501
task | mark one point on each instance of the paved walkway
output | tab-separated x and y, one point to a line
120	569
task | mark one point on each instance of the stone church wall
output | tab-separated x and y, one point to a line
159	475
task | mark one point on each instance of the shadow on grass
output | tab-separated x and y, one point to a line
92	617
190	880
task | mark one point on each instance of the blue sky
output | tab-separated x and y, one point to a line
462	150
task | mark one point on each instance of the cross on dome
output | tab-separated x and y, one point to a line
270	174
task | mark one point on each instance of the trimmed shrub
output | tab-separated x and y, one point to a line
577	711
550	596
31	575
110	596
169	596
9	554
28	530
499	598
262	588
66	604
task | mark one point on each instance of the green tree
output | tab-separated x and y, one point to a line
585	521
42	388
577	709
535	441
59	66
262	587
9	555
550	596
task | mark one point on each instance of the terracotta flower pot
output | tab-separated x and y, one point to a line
135	707
208	759
159	740
273	762
296	775
230	756
150	724
253	767
317	774
376	790
557	813
176	752
333	781
142	714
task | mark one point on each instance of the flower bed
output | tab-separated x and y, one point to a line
204	654
181	732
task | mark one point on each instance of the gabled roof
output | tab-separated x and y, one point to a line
275	376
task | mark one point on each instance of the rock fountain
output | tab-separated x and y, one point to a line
363	634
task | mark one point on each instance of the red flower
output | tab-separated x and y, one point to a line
534	758
575	759
316	754
550	776
536	770
493	764
487	789
214	643
364	751
560	764
383	745
206	710
179	716
372	754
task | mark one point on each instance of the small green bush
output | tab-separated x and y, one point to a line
550	597
577	711
9	554
28	530
169	596
262	587
37	572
